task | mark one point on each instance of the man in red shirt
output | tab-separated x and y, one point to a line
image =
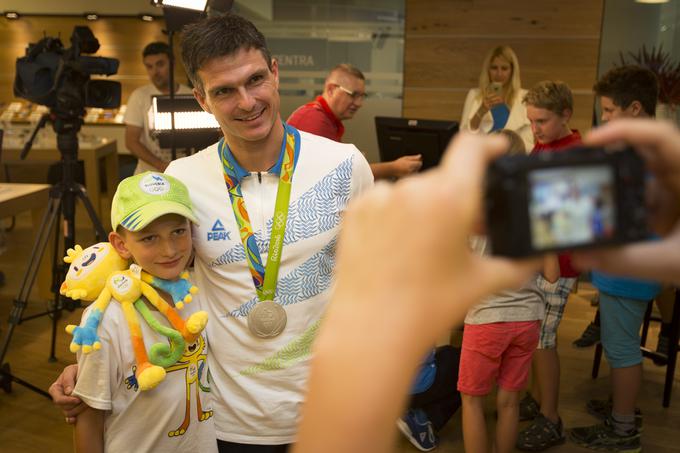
343	95
549	109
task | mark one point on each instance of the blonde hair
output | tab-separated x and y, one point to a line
550	95
515	84
517	145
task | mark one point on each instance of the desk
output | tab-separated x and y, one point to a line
91	154
16	198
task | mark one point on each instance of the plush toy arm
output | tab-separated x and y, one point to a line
147	374
162	354
181	289
86	336
189	329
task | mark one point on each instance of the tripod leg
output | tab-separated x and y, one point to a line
57	277
6	379
37	252
99	231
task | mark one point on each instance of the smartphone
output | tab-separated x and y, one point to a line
556	201
495	88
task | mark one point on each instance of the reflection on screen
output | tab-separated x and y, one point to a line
571	206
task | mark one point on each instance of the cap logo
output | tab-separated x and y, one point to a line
154	184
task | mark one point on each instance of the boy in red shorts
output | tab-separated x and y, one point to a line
500	337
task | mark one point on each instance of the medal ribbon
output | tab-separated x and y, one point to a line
265	279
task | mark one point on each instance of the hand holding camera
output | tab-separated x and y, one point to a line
658	143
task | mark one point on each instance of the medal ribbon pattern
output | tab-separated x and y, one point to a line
264	278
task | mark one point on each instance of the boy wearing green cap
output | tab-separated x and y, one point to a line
150	216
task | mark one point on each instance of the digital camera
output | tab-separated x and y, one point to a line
563	200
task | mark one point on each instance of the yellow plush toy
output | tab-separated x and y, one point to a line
99	274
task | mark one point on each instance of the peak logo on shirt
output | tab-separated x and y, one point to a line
218	232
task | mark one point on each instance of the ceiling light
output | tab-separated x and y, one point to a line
91	16
651	1
196	5
11	15
146	17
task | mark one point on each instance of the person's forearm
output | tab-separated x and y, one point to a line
88	434
385	314
476	119
142	152
374	366
551	268
383	170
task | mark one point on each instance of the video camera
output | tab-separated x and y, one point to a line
553	201
59	78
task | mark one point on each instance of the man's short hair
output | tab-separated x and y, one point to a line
627	84
348	69
219	36
156	48
550	95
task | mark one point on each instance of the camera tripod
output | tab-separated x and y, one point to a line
62	203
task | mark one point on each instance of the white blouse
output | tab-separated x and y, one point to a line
517	121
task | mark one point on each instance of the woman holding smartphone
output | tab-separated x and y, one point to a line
497	103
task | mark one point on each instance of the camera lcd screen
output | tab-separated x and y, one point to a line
571	206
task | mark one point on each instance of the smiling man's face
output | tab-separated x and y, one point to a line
241	91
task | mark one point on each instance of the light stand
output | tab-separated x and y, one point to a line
178	13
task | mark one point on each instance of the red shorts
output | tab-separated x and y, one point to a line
499	352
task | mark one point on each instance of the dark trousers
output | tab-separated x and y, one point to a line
231	447
442	399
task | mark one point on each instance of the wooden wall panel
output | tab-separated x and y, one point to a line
550	18
431	64
121	38
446	41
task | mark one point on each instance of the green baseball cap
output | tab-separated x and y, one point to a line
142	198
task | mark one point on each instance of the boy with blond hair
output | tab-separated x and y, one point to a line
550	106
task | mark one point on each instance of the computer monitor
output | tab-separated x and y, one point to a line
399	137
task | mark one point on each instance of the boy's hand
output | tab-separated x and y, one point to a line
61	391
86	336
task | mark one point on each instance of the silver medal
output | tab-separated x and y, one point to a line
267	319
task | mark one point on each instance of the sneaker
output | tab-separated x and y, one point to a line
528	408
418	430
602	409
603	437
595	301
589	337
541	435
662	348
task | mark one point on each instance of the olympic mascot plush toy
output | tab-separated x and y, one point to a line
99	274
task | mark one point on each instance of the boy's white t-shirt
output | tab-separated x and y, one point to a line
151	420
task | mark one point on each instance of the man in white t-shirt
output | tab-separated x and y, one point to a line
138	140
258	365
